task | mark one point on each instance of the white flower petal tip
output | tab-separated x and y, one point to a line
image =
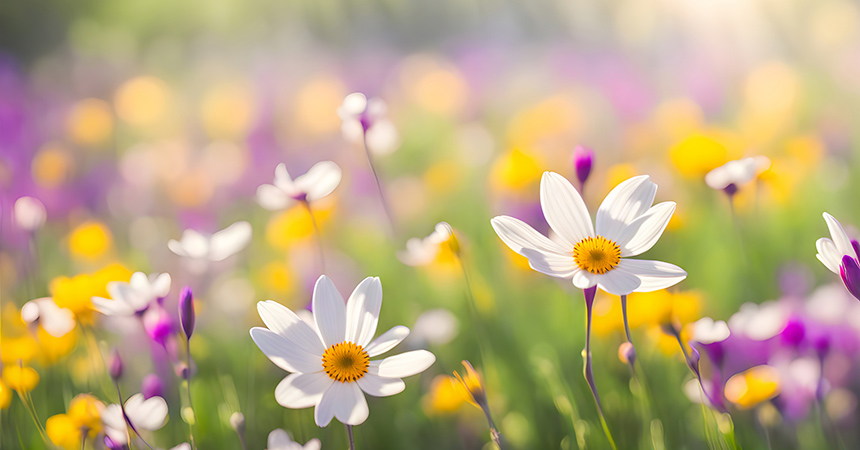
54	320
759	322
738	172
831	251
420	252
217	247
708	331
319	181
406	364
134	296
148	414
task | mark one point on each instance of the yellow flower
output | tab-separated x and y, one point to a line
753	386
295	225
446	395
75	293
90	240
646	309
20	378
90	122
5	395
702	152
142	101
83	416
474	386
514	172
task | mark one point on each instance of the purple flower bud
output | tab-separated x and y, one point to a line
186	311
152	386
856	246
850	272
115	365
158	324
731	189
793	333
583	159
821	344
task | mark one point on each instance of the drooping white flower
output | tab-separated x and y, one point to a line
133	297
420	252
708	331
280	440
367	117
54	320
627	225
29	213
149	414
331	364
737	173
317	183
217	247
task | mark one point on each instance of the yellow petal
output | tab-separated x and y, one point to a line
22	379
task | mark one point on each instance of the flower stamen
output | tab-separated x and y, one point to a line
597	254
345	362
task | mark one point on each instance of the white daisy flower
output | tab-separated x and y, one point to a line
421	252
219	246
331	365
280	440
149	415
29	213
831	250
54	320
135	296
317	183
737	173
627	225
708	331
367	117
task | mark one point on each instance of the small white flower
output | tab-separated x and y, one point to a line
217	247
437	326
54	320
182	446
331	365
280	440
627	225
831	250
317	183
738	172
29	213
149	415
708	331
135	296
421	252
362	116
759	322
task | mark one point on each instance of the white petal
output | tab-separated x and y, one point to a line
272	198
405	364
388	340
362	311
194	244
564	209
283	321
707	331
112	307
618	282
229	241
641	234
302	390
313	444
584	279
344	401
284	352
383	138
843	244
623	205
114	423
160	286
353	105
828	255
283	180
279	440
320	180
329	312
176	247
182	446
544	255
380	387
654	275
149	414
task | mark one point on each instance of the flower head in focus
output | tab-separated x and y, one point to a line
317	183
474	385
281	440
840	255
732	175
365	119
199	249
143	414
135	296
596	255
331	364
421	252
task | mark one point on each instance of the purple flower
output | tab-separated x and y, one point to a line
583	159
849	270
186	311
115	365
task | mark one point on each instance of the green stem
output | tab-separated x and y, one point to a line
588	371
318	233
379	186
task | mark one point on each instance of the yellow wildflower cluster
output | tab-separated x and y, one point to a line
75	293
83	417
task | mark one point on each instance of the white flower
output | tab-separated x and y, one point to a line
280	440
29	213
437	326
149	414
318	182
217	247
331	365
708	331
627	225
182	446
135	296
831	250
54	320
737	172
759	322
362	116
420	252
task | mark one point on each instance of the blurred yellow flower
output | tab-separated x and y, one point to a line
555	116
295	224
753	386
20	378
277	278
83	417
646	309
446	395
142	101
474	385
52	165
227	110
90	240
618	173
434	85
5	395
75	293
313	111
699	153
90	123
514	172
20	343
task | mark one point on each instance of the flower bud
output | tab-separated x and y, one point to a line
115	368
152	386
850	272
627	353
186	311
158	324
29	213
237	421
583	159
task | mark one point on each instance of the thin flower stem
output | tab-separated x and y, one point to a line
494	432
382	197
351	439
318	233
28	405
588	371
473	308
624	314
188	385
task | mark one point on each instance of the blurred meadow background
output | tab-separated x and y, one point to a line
132	121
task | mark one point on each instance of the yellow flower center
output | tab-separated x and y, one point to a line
597	255
345	362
